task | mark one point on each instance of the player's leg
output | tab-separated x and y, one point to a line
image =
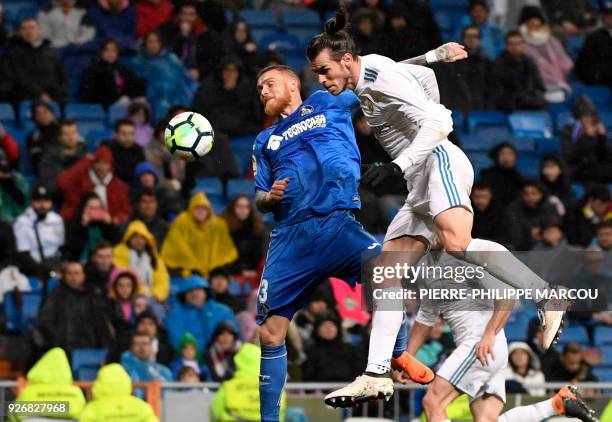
439	395
487	408
450	184
273	366
566	402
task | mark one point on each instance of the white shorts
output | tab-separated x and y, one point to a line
443	181
465	372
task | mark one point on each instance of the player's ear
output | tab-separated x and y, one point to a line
347	60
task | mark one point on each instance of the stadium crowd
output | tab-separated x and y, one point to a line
132	252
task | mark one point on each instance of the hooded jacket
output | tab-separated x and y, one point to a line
179	362
533	375
113	399
159	284
196	246
238	398
121	26
201	322
50	380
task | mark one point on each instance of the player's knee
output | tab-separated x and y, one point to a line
269	336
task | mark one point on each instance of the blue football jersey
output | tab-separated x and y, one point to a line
315	148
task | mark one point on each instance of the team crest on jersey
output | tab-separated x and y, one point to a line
307	109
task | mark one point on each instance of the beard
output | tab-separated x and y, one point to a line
274	107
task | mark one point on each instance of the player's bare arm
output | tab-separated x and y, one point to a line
447	53
265	201
503	309
418	335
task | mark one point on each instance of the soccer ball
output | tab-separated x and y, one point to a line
189	136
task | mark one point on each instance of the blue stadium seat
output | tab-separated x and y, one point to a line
606	354
7	114
35	284
218	204
448	4
301	19
603	374
574	334
19	134
574	44
244	160
235	288
87	358
494	134
95	136
14	12
237	187
116	112
444	20
85	112
563	119
87	373
606	119
528	166
259	18
599	95
303	34
480	161
535	124
30	302
516	331
89	128
602	335
24	109
392	213
458	120
212	186
547	146
73	89
522	144
579	191
258	34
297	62
51	284
12	314
282	43
243	142
485	118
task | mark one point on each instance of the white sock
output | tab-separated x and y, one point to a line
385	326
533	413
501	263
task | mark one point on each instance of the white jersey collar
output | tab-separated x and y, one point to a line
361	82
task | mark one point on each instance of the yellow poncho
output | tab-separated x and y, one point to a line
192	246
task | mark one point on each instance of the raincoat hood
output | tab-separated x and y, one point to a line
247	361
114	276
200	199
187	338
138	227
192	282
112	381
146	167
52	368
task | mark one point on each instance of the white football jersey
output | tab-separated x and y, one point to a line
398	101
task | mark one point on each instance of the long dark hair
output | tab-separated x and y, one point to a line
335	37
253	222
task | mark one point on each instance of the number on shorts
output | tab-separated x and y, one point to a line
263	291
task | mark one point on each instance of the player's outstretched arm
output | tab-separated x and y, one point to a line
418	335
503	309
265	201
449	52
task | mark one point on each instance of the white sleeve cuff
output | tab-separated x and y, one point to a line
403	162
430	57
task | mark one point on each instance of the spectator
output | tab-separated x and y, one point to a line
329	347
585	146
37	68
488	215
582	219
198	240
219	286
64	24
535	339
592	275
50	381
366	32
570	367
115	19
219	162
14	191
219	356
148	323
123	285
247	230
238	398
40	231
73	315
376	6
45	133
8	248
100	265
548	54
127	154
491	36
516	77
106	81
140	114
139	362
594	62
197	47
170	170
91	224
146	211
571	17
554	177
138	251
9	145
151	14
113	399
321	302
240	43
527	214
552	237
146	177
94	174
603	236
196	312
524	369
503	177
467	84
167	80
69	149
188	375
229	100
189	356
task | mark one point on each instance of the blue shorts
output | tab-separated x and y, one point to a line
304	254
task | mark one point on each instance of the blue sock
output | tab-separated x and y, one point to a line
272	375
402	338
